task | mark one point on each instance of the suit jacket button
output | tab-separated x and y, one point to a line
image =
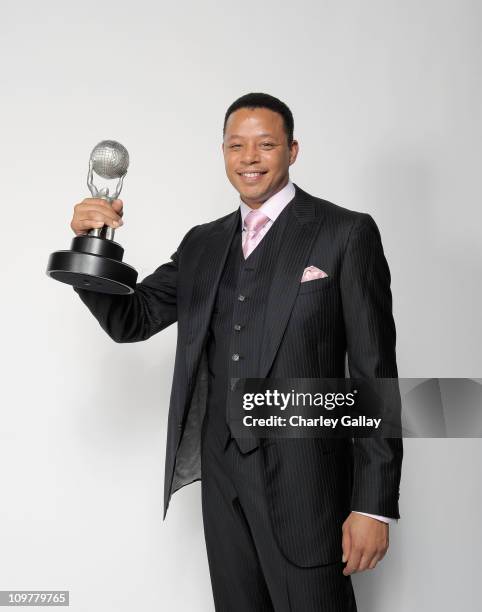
237	327
235	357
241	298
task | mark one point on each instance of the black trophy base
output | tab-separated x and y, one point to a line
94	264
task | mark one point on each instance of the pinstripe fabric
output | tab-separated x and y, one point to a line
308	330
248	571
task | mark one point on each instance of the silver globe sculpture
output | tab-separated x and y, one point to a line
110	159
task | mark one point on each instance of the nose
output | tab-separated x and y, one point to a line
250	154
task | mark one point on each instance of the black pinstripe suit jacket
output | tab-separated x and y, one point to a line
310	328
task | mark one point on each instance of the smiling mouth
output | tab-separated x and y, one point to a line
252	174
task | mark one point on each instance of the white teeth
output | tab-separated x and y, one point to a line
252	173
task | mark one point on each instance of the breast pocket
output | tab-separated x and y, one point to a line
317	284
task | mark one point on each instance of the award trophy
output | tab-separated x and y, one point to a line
94	261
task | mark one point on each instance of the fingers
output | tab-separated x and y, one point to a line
95	213
374	561
101	202
97	206
353	561
117	205
346	544
83	225
361	559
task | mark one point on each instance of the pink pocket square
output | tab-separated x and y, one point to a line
312	272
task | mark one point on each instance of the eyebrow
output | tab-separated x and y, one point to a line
259	135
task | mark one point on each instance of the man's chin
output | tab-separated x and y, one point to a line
253	193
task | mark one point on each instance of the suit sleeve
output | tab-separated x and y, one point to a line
371	338
138	316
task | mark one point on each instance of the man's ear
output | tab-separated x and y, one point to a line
294	148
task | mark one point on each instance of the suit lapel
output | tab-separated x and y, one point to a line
299	234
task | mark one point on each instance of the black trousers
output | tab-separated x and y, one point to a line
248	571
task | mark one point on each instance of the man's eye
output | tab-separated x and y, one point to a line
267	144
234	146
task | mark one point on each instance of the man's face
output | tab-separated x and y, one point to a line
256	154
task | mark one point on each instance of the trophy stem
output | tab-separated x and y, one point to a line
105	231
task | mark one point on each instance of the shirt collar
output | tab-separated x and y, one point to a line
273	205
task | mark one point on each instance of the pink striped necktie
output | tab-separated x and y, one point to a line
254	221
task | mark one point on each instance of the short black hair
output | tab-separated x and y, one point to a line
264	100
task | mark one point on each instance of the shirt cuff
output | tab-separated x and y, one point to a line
384	519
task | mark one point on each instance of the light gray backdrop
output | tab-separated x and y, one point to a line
386	99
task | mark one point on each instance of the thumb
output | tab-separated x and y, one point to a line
346	545
118	205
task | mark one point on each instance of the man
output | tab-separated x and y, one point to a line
286	521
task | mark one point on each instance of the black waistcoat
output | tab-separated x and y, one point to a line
237	322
